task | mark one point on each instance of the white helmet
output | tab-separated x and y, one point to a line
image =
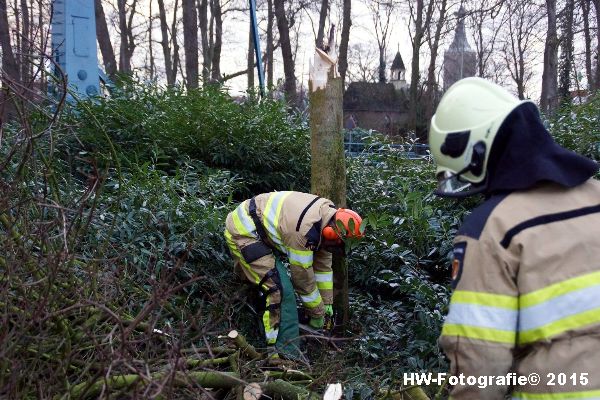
462	132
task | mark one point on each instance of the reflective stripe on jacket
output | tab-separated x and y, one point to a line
526	273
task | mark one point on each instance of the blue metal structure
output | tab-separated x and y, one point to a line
259	66
74	46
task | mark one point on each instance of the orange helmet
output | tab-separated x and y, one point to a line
343	216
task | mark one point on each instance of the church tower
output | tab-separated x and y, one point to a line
460	61
398	76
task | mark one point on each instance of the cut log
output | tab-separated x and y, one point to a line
243	345
252	391
285	390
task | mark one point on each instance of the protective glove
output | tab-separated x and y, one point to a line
317	322
329	310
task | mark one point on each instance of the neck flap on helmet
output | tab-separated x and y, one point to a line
523	154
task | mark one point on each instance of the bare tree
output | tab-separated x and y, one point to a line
362	67
521	20
322	20
567	50
250	58
270	45
485	27
10	69
597	78
286	50
217	18
103	36
170	55
548	100
345	38
585	6
190	42
431	86
381	15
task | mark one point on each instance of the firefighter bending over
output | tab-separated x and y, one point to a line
306	229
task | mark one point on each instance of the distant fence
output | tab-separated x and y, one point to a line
354	146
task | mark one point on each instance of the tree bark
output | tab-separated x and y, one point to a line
414	73
124	60
548	101
322	19
431	84
566	63
585	10
217	14
10	69
597	77
164	29
203	23
328	166
190	42
286	51
250	57
270	45
103	36
345	38
26	54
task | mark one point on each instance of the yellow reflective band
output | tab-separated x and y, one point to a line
325	285
271	215
241	220
312	300
569	323
559	289
591	394
475	332
270	334
234	250
485	299
302	258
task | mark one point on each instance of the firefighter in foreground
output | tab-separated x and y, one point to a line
304	228
526	268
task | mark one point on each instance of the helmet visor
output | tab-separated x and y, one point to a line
450	184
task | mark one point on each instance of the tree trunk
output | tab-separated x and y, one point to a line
381	70
164	30
270	44
190	42
585	10
431	84
286	51
414	73
26	53
216	50
548	101
328	166
103	36
151	42
322	19
345	38
250	57
566	64
10	70
203	23
124	60
597	78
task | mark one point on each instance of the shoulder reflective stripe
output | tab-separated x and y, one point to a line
485	299
312	300
588	395
483	316
559	289
566	324
242	221
475	332
238	255
559	308
271	215
300	257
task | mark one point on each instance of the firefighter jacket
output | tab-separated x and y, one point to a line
526	274
293	222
